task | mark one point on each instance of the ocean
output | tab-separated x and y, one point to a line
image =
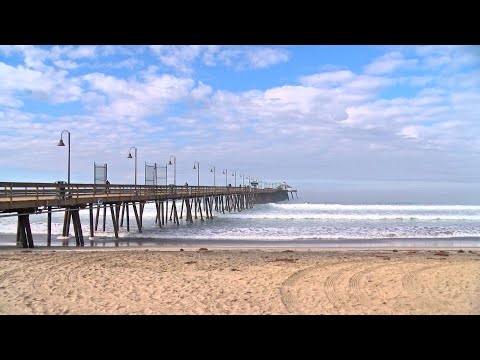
289	223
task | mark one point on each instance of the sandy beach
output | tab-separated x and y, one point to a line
239	281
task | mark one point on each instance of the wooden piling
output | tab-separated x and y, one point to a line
157	218
104	216
196	206
128	217
80	231
49	226
162	212
139	225
117	216
189	211
200	209
115	228
96	217
141	205
123	213
92	234
171	210
75	227
21	238
64	230
28	230
211	208
175	214
166	212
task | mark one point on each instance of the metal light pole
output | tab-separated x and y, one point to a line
60	143
225	171
198	171
129	157
213	170
243	179
174	168
235	174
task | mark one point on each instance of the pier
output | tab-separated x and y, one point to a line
172	203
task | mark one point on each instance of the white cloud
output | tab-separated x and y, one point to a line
328	79
412	131
50	85
66	64
84	51
265	57
131	99
389	63
182	57
201	91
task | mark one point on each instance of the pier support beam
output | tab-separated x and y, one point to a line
139	224
24	232
49	226
104	216
92	233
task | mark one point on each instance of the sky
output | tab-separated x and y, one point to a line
340	123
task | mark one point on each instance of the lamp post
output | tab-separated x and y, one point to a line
129	157
198	171
225	171
243	179
213	170
174	168
235	174
60	143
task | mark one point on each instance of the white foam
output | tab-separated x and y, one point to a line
340	207
356	217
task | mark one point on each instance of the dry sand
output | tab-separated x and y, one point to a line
265	281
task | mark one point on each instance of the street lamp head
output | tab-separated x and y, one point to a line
170	162
194	168
129	155
61	143
211	170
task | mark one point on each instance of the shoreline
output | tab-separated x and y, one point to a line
142	242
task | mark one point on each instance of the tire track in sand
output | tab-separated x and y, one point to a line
411	284
23	266
64	270
287	288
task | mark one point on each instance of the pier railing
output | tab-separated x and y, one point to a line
18	191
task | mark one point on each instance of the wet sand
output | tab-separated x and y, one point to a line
239	281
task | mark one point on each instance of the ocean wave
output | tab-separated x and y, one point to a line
353	217
340	207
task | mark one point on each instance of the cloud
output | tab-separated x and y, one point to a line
389	63
80	52
66	64
182	58
265	57
132	99
49	85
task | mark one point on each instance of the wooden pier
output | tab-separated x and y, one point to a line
115	201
